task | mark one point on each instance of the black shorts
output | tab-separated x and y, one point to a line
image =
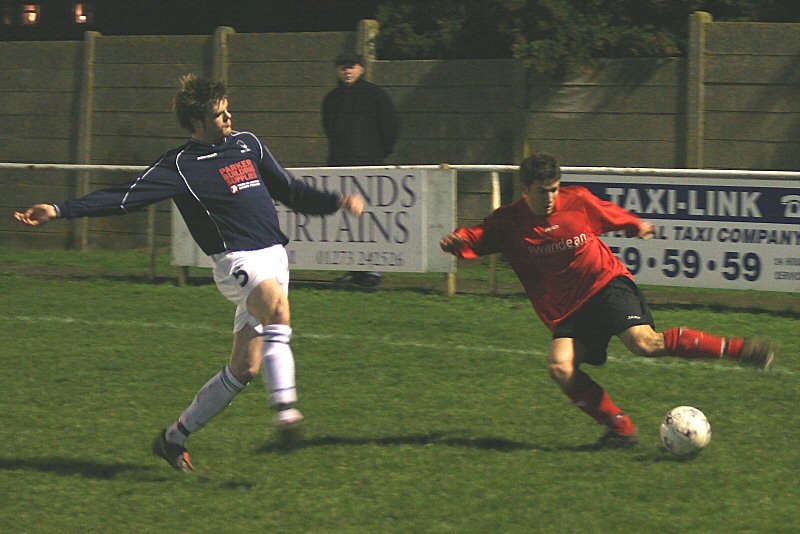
615	308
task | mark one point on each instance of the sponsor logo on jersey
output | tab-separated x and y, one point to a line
240	175
538	247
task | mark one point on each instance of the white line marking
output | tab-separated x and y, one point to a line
116	323
623	358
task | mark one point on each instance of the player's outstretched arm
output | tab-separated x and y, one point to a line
37	214
452	243
353	204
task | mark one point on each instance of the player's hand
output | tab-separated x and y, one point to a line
37	215
646	230
353	203
452	243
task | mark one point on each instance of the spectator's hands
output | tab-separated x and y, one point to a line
452	243
353	203
646	230
37	215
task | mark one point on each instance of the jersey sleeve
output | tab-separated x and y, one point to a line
485	238
159	182
299	196
605	216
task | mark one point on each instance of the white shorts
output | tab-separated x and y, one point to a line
237	273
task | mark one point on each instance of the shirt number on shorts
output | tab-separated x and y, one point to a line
241	276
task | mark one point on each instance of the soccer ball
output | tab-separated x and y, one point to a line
685	430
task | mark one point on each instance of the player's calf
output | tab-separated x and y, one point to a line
688	343
693	344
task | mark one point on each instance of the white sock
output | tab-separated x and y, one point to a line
212	398
278	364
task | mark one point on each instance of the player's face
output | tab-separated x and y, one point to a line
541	196
349	74
216	124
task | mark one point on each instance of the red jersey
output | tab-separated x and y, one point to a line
559	258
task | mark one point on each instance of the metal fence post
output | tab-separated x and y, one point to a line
493	259
151	240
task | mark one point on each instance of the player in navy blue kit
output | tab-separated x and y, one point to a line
223	183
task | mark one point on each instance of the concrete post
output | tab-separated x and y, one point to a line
219	53
83	154
695	85
366	33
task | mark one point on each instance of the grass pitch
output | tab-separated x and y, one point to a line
424	414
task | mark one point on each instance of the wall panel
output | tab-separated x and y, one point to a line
628	112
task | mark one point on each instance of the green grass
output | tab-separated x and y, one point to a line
424	414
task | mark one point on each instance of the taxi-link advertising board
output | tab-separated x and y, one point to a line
710	232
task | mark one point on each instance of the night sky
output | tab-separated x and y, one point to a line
187	17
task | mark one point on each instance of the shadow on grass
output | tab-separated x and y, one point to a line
435	438
69	466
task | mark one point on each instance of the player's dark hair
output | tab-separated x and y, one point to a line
539	168
196	97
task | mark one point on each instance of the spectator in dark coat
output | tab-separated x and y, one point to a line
361	124
359	118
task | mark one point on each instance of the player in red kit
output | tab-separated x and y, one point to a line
582	292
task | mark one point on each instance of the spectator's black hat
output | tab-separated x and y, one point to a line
349	58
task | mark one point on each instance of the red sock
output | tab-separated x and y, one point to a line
592	399
688	343
734	348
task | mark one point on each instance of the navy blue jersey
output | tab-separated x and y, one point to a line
224	192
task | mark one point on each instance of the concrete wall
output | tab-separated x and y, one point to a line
456	111
752	96
627	113
734	103
39	88
277	82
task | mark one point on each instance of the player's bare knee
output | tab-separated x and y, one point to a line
643	341
646	346
560	372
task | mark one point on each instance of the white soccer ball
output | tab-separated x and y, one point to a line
685	430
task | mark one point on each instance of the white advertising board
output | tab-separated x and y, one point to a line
407	212
710	232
